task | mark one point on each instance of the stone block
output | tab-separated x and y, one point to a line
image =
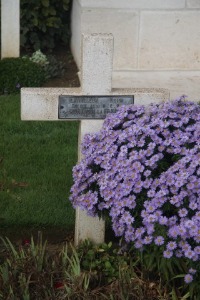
10	28
169	40
97	57
193	3
86	226
42	103
136	4
124	27
76	16
177	82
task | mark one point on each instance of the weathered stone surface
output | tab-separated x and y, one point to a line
193	3
170	41
151	36
42	103
10	28
136	4
124	27
97	55
177	82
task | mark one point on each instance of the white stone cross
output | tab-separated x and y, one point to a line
96	79
10	28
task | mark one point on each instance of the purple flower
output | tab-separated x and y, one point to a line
188	278
159	240
182	212
168	254
142	170
147	240
171	245
192	271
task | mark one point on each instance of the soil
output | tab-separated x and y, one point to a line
70	77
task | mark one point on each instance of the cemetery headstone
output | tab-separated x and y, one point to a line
10	28
94	99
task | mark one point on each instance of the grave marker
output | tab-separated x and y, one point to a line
10	28
96	78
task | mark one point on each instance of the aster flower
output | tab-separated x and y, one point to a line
159	240
188	278
168	254
192	271
142	169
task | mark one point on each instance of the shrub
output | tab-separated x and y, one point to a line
143	170
19	72
44	24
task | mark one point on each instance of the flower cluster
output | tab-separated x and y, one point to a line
143	169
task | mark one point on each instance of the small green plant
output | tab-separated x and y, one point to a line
52	67
31	271
19	72
103	260
39	58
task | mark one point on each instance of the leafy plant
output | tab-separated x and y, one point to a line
104	261
30	271
44	24
39	58
52	67
19	72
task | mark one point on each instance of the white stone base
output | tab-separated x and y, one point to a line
177	82
93	229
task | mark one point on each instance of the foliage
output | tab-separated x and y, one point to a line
52	67
39	58
104	261
44	24
19	72
143	170
31	271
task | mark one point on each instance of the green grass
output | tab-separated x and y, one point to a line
36	160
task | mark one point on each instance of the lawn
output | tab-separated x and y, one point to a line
36	160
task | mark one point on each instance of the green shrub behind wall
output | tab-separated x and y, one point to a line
19	72
44	23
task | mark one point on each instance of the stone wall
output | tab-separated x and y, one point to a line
156	42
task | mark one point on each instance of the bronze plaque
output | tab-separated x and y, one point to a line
90	107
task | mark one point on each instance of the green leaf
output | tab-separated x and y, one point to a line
45	3
174	296
35	22
52	11
186	296
108	265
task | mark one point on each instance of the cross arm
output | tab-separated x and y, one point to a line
42	103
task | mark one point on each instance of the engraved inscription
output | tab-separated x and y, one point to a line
90	107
